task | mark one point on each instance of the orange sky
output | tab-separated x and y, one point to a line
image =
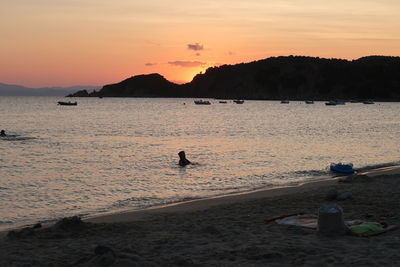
96	42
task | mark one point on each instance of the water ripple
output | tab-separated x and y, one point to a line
122	153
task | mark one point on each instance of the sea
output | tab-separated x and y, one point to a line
116	154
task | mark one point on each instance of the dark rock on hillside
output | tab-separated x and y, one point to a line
292	77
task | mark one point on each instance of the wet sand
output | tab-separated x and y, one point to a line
226	231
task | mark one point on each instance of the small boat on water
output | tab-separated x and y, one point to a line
238	101
202	102
331	103
368	102
309	102
222	102
335	102
285	102
69	103
342	168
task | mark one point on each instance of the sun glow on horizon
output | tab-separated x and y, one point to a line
71	42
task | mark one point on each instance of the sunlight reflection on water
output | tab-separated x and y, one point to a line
116	153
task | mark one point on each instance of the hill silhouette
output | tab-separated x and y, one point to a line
291	77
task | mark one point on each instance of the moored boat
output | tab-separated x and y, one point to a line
309	102
202	102
368	102
285	102
69	103
331	103
238	101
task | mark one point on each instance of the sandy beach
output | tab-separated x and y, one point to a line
225	231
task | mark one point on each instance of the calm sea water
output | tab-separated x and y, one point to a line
113	154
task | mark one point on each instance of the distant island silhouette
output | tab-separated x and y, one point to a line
18	90
285	77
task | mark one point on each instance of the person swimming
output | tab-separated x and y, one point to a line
2	133
183	161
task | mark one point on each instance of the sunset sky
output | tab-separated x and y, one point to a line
96	42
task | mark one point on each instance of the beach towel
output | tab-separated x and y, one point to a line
303	220
356	227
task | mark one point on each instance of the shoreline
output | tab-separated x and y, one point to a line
224	231
129	215
205	203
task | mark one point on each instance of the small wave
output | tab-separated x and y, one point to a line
311	173
139	202
16	138
376	166
6	222
189	198
302	174
149	202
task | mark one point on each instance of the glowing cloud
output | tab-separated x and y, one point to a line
195	47
150	64
187	64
